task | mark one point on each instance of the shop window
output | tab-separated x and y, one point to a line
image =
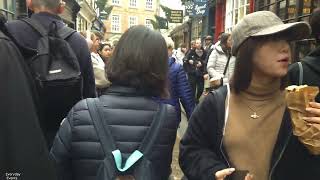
292	9
306	7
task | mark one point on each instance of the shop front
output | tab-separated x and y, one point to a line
292	11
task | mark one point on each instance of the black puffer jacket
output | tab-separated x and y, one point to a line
78	152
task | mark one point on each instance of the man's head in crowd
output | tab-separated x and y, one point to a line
96	38
183	47
208	40
50	6
198	44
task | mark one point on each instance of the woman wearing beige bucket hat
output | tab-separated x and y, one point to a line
243	130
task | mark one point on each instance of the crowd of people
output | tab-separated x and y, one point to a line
124	123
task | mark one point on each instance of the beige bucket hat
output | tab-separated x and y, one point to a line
264	23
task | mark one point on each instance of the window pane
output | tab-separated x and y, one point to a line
115	2
148	4
133	3
316	4
149	24
292	9
282	9
115	23
241	13
306	7
10	5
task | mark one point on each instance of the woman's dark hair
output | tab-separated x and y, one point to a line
243	70
223	42
140	60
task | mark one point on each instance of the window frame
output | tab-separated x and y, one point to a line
149	5
4	9
146	24
113	30
136	21
116	4
136	4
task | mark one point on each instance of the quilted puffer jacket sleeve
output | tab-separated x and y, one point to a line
60	151
213	73
185	92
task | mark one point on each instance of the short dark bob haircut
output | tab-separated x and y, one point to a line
243	70
140	60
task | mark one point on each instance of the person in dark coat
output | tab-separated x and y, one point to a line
244	129
138	71
311	63
46	12
180	89
179	86
23	152
194	65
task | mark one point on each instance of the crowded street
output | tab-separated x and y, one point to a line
159	90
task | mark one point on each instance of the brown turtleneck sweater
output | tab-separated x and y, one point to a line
249	142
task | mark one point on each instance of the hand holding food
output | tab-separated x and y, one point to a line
304	116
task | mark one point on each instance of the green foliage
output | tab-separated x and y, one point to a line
166	10
103	8
101	4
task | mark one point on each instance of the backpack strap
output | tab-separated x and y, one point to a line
108	143
300	73
104	134
36	26
66	32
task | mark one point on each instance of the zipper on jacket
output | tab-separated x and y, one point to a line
224	156
225	123
277	161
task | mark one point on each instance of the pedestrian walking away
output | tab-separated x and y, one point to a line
63	73
126	133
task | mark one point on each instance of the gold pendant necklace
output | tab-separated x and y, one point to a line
254	115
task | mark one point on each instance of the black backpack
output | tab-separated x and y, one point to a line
138	166
56	73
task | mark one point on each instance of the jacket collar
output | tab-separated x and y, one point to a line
315	52
125	91
46	18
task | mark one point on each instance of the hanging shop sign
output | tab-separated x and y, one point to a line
176	16
197	8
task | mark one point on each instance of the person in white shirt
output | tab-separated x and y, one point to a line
180	53
98	64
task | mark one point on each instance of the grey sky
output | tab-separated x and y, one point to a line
173	4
